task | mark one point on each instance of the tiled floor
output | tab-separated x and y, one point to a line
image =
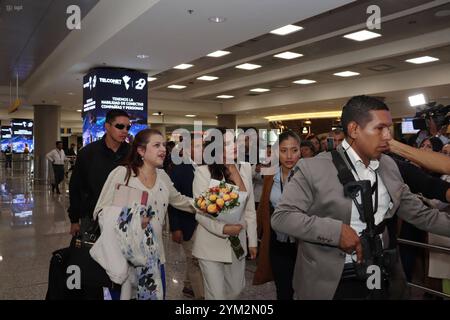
34	223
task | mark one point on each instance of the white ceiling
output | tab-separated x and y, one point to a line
115	31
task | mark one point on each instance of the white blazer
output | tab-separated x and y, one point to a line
209	241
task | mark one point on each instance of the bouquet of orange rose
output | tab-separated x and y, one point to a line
221	202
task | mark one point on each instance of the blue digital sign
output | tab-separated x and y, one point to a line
6	135
105	89
22	135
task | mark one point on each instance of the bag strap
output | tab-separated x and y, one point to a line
344	174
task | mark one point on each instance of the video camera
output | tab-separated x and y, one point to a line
439	114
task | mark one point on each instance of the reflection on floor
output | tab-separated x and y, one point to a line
34	223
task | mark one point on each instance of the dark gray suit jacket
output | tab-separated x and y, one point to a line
313	208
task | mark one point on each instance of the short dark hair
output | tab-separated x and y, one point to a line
114	113
358	109
58	142
337	131
308	144
436	143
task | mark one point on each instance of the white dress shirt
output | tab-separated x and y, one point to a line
56	156
366	173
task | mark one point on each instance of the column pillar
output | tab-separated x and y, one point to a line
227	121
47	130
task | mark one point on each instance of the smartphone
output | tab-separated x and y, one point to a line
330	144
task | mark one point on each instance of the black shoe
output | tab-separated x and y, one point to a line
53	188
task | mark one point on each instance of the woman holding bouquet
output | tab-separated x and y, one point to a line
142	171
278	251
223	268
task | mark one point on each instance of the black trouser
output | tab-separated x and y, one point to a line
58	170
8	161
282	259
352	288
409	254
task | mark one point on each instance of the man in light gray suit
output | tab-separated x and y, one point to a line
327	224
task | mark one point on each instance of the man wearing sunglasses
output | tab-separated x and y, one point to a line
93	165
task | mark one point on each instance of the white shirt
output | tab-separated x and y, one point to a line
56	156
366	173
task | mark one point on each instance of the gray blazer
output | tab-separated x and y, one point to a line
313	208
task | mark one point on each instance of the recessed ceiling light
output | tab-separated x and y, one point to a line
225	96
176	86
304	81
79	110
288	55
259	90
190	115
286	30
218	53
207	78
362	35
157	114
142	56
248	66
346	74
420	60
217	19
183	66
417	100
150	79
70	93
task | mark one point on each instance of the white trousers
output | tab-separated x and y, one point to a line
223	281
193	277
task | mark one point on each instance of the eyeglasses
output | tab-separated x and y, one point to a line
121	126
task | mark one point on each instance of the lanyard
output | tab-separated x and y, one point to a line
281	180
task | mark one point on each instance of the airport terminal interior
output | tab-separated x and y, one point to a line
267	65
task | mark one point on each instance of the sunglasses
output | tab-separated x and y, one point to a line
121	126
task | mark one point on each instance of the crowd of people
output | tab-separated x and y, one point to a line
300	223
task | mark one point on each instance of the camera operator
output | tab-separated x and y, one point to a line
434	119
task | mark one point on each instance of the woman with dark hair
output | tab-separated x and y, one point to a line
278	251
307	149
141	170
316	143
223	271
431	144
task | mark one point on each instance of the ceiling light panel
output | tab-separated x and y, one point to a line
420	60
183	66
218	54
346	74
207	78
248	66
176	86
362	35
288	55
288	29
